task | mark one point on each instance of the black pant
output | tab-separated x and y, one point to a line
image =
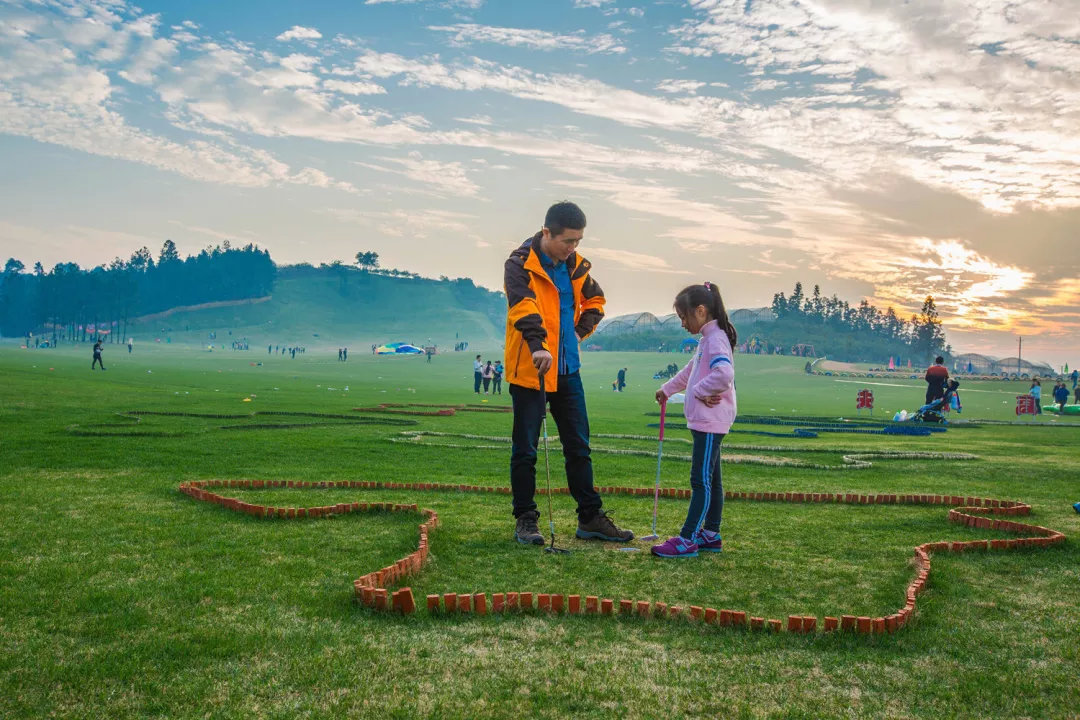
496	384
487	384
476	377
706	484
572	419
933	393
97	361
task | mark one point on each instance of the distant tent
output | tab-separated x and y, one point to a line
688	344
398	348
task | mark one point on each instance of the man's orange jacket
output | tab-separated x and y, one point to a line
532	321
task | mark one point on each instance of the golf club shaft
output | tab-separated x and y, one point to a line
659	458
547	463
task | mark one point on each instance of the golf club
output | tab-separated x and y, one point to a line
659	458
547	467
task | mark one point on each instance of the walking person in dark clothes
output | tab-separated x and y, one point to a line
97	356
621	379
553	304
496	379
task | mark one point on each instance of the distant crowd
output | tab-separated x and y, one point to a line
489	375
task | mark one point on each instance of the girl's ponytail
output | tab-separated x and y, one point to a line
719	312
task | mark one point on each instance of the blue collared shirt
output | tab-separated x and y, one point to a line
569	358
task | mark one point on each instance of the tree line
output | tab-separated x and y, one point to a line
861	332
74	304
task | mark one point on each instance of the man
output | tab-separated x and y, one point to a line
936	377
477	374
1075	376
621	379
97	356
1061	395
554	304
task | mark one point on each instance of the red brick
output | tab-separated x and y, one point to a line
525	601
626	607
757	623
480	604
660	609
557	603
607	606
794	623
725	618
432	603
591	604
497	602
879	626
738	618
543	601
511	601
381	599
643	608
674	612
408	602
696	612
450	601
892	623
367	595
809	623
464	603
711	616
574	602
831	624
865	624
776	626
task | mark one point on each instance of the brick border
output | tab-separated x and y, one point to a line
440	411
374	588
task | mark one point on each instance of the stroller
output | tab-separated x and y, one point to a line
935	411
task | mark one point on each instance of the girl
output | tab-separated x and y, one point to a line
1035	391
709	380
489	372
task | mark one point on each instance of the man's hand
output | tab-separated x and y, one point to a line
661	397
542	361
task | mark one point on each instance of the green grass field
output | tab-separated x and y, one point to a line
121	597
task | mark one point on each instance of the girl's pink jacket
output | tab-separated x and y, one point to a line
711	372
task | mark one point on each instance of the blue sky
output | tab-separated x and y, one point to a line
884	150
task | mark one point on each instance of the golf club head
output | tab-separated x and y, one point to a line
651	537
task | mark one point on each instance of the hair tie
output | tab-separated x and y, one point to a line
707	285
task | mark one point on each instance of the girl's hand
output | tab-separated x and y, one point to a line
710	400
661	398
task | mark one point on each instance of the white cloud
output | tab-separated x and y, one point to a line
465	33
297	32
633	260
442	178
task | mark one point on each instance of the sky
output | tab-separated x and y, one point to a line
884	150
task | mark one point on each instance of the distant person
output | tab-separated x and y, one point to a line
1076	395
1074	375
937	375
620	379
339	354
269	348
809	368
1035	391
97	356
478	374
429	351
488	373
345	355
496	379
131	344
1061	396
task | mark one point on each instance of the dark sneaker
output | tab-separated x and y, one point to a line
709	541
675	547
526	532
602	528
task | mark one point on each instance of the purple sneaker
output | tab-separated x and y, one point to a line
675	547
709	541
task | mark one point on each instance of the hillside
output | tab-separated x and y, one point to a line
342	307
